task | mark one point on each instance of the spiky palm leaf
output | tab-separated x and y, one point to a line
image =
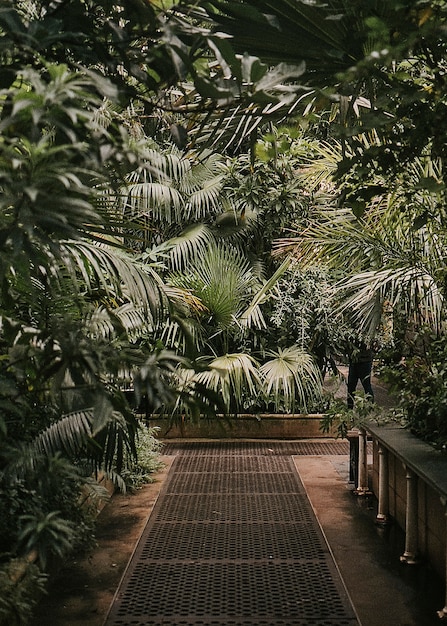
384	259
102	267
169	191
127	319
89	435
223	280
188	245
291	379
233	376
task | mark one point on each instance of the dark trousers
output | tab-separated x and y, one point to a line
359	372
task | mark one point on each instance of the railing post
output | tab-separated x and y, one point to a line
442	614
383	505
411	522
362	486
353	438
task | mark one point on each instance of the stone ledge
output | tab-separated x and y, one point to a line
265	426
422	458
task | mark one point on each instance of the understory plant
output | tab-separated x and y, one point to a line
22	584
419	384
339	417
140	470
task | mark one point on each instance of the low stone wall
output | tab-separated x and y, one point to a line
264	426
418	472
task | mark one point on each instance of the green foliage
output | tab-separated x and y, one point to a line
22	584
140	470
344	419
48	535
80	315
305	311
292	381
32	488
419	383
268	193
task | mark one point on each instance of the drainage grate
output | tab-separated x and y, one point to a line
267	448
192	461
232	482
235	508
203	541
232	541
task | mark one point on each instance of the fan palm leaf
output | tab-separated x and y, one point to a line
232	375
169	191
222	278
410	290
291	379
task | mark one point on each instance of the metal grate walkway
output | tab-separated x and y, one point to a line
233	541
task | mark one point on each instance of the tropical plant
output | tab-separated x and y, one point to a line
61	261
292	381
20	590
80	315
170	191
388	54
140	470
418	382
304	311
387	263
231	320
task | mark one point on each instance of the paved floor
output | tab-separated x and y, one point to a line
362	580
269	533
234	541
384	591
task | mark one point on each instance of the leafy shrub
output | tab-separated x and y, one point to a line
140	471
39	508
22	584
419	383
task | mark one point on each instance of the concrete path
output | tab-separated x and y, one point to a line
384	591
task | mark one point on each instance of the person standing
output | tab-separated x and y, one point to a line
360	369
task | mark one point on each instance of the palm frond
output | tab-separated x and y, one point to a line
384	259
408	289
291	379
106	268
102	322
230	375
191	243
222	278
206	200
252	316
156	199
69	434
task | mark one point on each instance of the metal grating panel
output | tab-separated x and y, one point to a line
232	541
216	541
234	482
192	462
235	508
267	448
239	590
